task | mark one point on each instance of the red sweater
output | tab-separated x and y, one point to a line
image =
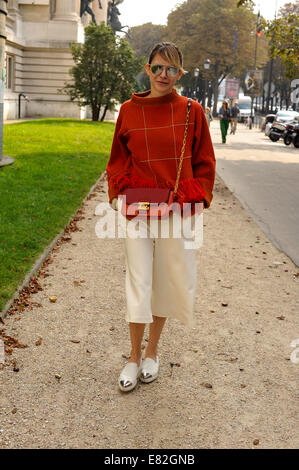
147	146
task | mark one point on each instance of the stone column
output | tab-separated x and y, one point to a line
3	13
67	10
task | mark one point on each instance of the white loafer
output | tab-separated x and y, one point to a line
149	370
127	380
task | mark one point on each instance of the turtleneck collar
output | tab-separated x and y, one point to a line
141	98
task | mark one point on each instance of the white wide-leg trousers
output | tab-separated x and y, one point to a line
161	278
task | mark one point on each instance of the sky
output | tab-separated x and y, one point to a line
136	12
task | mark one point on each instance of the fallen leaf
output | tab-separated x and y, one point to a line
177	364
233	359
207	385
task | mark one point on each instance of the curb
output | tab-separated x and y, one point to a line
45	253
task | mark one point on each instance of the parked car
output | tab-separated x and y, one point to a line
286	116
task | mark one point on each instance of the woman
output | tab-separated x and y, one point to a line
224	114
160	273
208	115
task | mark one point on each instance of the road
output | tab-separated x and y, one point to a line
264	176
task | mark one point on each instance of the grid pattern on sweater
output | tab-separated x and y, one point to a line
148	142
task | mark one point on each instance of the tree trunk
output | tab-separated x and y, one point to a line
210	95
215	90
104	113
95	113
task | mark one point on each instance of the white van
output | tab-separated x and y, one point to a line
244	104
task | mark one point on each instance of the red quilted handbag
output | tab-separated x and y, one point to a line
153	203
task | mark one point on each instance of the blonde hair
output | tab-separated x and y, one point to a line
169	52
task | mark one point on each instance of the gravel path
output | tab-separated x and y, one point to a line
227	383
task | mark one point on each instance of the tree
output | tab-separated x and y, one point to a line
244	3
289	9
104	71
283	33
207	29
143	38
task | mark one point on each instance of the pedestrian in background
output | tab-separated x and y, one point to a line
235	113
209	116
160	272
224	114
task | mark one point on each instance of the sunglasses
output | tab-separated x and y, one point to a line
170	71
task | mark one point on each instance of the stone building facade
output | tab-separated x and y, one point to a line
38	55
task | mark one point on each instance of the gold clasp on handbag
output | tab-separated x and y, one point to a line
143	206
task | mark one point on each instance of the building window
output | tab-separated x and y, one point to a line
9	72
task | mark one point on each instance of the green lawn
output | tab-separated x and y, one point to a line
56	163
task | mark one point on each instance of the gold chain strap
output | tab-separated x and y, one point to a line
183	149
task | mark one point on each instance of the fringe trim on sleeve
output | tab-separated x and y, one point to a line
190	190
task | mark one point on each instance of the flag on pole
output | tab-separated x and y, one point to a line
259	25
